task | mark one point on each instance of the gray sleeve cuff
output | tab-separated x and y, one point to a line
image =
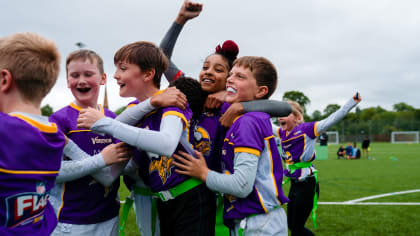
272	107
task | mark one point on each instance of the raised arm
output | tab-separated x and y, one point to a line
188	11
338	115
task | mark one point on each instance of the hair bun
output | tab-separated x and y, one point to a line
229	49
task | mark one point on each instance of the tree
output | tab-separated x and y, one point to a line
402	106
316	115
298	97
331	108
47	110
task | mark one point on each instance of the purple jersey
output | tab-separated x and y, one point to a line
208	138
84	200
252	133
30	154
159	171
298	146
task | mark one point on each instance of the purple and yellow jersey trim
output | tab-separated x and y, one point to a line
51	128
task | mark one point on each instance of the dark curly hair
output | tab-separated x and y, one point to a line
195	95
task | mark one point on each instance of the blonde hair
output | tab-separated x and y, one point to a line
263	70
296	110
86	55
33	61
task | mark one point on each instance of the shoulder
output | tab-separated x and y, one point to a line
109	113
253	120
133	103
224	108
62	114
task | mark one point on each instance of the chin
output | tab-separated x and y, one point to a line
208	88
231	99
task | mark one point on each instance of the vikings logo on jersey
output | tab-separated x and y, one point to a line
202	140
163	165
26	208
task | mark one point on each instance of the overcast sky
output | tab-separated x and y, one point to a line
326	49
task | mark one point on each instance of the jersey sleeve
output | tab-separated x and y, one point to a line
247	136
309	128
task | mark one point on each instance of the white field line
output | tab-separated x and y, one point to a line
382	195
358	201
371	203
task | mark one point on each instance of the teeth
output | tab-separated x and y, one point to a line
208	80
231	90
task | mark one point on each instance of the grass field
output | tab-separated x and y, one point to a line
392	168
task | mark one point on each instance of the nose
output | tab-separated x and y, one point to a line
229	79
208	71
81	80
116	76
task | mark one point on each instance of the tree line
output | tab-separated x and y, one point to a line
371	121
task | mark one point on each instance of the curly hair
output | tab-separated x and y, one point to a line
195	95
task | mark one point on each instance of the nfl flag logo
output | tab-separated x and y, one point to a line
40	187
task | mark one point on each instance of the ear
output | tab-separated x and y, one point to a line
261	92
6	80
103	79
149	75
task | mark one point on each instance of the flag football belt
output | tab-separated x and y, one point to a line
178	190
129	203
301	165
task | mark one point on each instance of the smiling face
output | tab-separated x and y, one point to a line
242	86
214	73
288	123
130	78
84	80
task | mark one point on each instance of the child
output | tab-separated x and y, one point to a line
349	150
86	204
208	132
139	69
365	147
341	152
355	152
30	146
252	173
298	143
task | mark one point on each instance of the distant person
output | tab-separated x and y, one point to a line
341	153
349	150
365	147
323	138
355	154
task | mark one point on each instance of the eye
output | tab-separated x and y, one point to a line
74	75
88	74
205	68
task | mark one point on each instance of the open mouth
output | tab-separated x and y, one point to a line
230	90
207	80
282	122
83	90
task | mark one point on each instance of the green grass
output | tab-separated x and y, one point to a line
395	167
